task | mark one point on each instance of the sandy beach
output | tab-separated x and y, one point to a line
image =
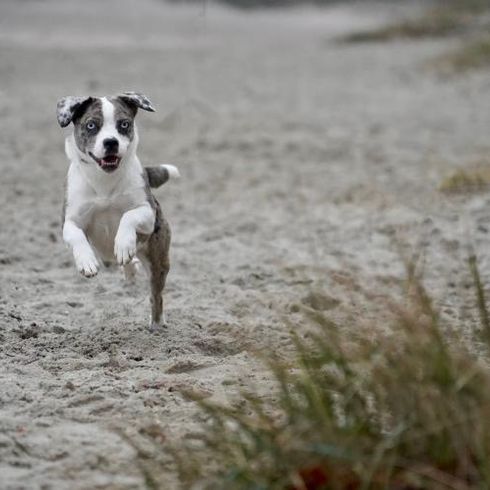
308	168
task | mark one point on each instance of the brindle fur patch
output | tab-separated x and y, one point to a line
83	138
68	107
124	111
137	100
158	256
157	176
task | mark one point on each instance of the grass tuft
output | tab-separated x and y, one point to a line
434	24
452	17
471	179
473	55
358	410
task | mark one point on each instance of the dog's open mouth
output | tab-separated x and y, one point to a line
109	163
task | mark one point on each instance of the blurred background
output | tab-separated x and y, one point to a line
313	139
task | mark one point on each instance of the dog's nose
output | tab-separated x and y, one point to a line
111	145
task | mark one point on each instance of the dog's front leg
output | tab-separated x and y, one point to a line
138	220
83	253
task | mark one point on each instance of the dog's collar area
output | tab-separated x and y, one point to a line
115	195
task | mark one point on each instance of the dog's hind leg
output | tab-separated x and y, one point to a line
157	257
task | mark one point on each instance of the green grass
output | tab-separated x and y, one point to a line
358	409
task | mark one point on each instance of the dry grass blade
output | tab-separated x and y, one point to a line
480	296
468	180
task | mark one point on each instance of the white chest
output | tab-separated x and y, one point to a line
97	201
102	220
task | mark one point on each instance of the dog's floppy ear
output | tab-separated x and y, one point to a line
137	100
67	108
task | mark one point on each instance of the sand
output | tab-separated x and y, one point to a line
306	167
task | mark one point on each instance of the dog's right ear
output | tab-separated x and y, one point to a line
137	100
67	108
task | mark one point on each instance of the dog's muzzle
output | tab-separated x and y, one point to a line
108	164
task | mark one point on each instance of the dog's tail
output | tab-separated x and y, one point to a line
158	175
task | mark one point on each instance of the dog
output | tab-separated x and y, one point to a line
109	213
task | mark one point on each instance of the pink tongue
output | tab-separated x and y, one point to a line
110	159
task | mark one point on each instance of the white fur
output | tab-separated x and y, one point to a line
109	130
172	170
105	211
83	254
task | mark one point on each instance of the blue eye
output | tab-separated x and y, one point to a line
91	126
124	124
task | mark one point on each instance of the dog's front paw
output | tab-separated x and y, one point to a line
131	270
86	262
125	247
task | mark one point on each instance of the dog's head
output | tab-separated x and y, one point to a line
103	126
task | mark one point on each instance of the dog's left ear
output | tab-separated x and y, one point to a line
137	100
67	108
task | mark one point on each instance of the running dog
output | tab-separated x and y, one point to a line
110	214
